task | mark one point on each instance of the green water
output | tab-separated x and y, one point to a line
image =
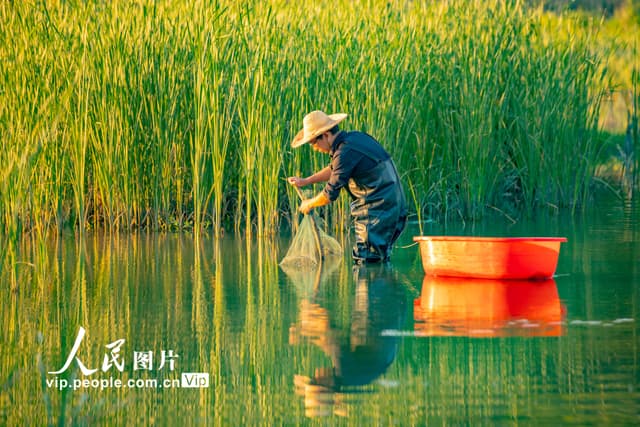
345	347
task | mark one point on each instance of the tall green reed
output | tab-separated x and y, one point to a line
170	115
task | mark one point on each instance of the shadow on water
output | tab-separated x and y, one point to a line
356	353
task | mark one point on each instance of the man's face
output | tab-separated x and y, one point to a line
321	144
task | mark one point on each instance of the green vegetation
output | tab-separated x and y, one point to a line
618	35
178	115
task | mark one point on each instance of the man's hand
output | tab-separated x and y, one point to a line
315	202
306	206
297	181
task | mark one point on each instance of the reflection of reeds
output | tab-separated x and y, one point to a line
227	311
180	116
43	384
161	297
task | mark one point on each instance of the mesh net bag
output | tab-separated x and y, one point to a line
310	245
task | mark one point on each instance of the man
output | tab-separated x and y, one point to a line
366	171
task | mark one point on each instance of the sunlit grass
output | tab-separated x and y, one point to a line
179	115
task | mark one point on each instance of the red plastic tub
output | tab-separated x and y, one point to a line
523	258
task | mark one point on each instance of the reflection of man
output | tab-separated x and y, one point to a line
360	354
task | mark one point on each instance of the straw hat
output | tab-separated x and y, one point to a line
315	123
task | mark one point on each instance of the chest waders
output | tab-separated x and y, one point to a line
378	209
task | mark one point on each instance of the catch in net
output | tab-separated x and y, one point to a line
310	246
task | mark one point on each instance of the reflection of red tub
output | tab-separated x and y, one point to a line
450	306
490	257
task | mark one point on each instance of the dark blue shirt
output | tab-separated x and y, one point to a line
353	154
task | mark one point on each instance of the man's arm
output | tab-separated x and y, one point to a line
321	176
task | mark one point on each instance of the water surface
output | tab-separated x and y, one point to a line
351	345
